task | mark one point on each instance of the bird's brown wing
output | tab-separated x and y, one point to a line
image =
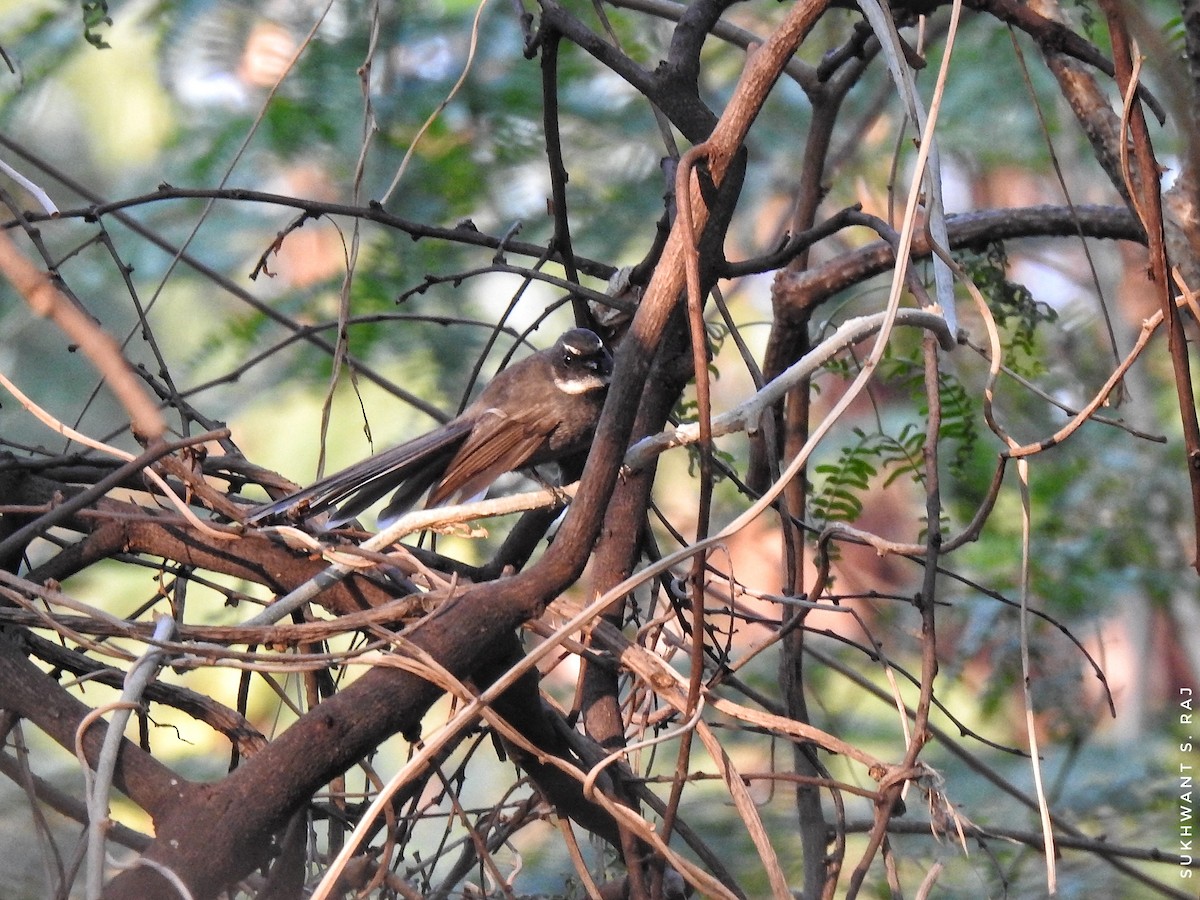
498	443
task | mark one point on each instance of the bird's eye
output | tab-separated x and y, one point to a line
568	357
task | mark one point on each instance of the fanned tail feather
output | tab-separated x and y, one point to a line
415	464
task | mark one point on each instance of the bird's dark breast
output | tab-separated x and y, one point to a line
577	424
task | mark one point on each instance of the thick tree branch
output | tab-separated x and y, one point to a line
799	292
33	695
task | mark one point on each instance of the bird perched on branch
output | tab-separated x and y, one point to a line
539	410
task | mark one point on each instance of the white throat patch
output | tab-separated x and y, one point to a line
579	384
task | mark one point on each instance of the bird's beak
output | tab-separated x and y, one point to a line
603	367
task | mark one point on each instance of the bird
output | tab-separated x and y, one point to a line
541	409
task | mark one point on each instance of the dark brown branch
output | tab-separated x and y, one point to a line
126	528
1149	207
466	234
801	290
35	696
1054	37
200	707
558	170
668	90
61	512
794	246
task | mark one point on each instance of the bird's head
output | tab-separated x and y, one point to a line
581	362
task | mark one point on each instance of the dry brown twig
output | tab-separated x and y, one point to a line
47	301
